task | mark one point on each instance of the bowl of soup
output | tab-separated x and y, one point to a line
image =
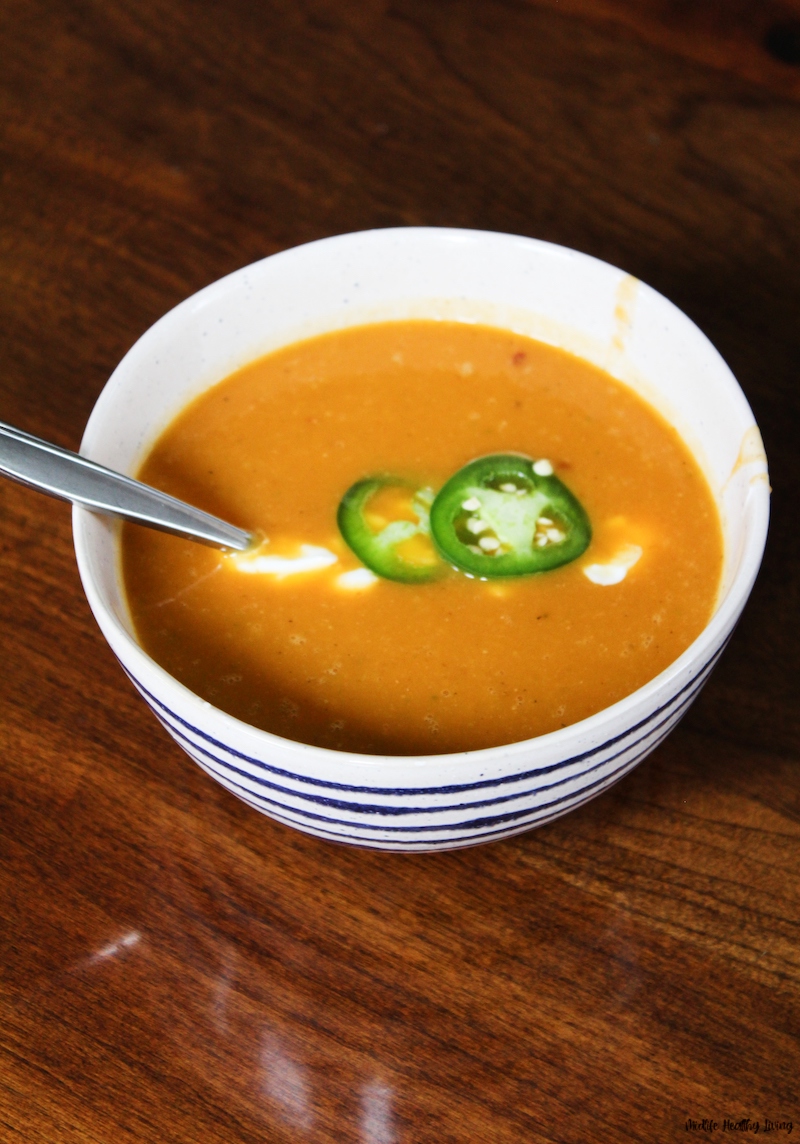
509	501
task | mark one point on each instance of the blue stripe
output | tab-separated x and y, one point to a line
607	780
407	844
383	809
454	788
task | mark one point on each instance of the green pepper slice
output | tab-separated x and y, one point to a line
507	515
385	521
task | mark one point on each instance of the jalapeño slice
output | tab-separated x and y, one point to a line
385	521
506	515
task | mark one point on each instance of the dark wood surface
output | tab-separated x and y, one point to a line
175	967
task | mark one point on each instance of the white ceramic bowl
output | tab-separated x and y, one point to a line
551	293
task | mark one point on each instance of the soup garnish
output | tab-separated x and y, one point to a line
507	515
504	515
386	522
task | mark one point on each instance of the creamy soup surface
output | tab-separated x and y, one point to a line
380	667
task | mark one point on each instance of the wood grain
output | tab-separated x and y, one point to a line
174	967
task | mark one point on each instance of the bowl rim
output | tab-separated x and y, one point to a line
691	662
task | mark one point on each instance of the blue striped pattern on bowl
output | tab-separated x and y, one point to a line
428	817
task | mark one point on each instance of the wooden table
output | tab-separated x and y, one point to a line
175	967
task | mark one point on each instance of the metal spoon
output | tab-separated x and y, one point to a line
71	477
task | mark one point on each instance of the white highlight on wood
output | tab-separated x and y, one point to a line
115	947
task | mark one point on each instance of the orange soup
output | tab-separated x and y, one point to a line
300	639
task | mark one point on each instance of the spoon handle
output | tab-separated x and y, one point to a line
71	477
